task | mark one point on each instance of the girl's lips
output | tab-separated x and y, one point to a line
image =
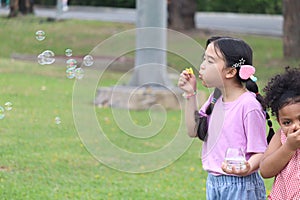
200	76
202	81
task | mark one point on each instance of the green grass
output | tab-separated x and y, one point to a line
42	160
81	37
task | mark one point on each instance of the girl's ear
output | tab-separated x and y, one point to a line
231	72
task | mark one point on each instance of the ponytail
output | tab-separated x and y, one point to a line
217	93
201	121
252	86
271	130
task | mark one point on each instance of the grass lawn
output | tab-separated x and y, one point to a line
40	159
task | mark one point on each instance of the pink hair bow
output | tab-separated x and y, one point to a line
247	71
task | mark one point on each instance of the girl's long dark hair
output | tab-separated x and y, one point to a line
233	50
201	121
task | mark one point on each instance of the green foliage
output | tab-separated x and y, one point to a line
45	2
239	6
107	3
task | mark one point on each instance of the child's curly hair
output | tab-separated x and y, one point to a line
282	90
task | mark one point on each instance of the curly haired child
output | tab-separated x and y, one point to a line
282	157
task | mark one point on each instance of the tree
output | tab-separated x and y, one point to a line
181	14
291	29
20	6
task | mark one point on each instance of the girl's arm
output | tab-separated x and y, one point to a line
276	157
190	108
187	82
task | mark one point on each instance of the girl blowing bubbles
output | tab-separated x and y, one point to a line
282	158
232	117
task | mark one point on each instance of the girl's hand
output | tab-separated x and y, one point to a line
187	82
293	139
238	172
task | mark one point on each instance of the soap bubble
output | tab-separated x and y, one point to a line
57	120
79	73
71	63
48	57
40	35
8	106
40	59
69	52
70	72
2	115
88	60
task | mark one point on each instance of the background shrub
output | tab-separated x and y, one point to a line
238	6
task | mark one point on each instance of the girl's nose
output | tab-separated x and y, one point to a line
202	67
296	125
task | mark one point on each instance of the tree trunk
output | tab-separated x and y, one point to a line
21	6
181	14
291	29
14	8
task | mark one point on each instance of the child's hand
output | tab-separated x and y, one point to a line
187	81
238	172
293	139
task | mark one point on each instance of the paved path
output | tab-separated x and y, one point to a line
270	25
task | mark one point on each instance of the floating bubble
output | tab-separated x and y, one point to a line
46	58
8	106
69	52
41	59
71	63
70	72
40	35
49	57
79	73
2	115
88	60
57	120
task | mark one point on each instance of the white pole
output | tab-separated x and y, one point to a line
59	10
151	37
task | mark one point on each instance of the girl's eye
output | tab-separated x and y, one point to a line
286	123
209	60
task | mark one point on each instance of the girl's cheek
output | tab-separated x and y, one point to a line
285	130
202	69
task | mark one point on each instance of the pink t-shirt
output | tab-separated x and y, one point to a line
287	182
237	124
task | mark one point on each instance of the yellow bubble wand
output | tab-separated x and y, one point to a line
189	70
